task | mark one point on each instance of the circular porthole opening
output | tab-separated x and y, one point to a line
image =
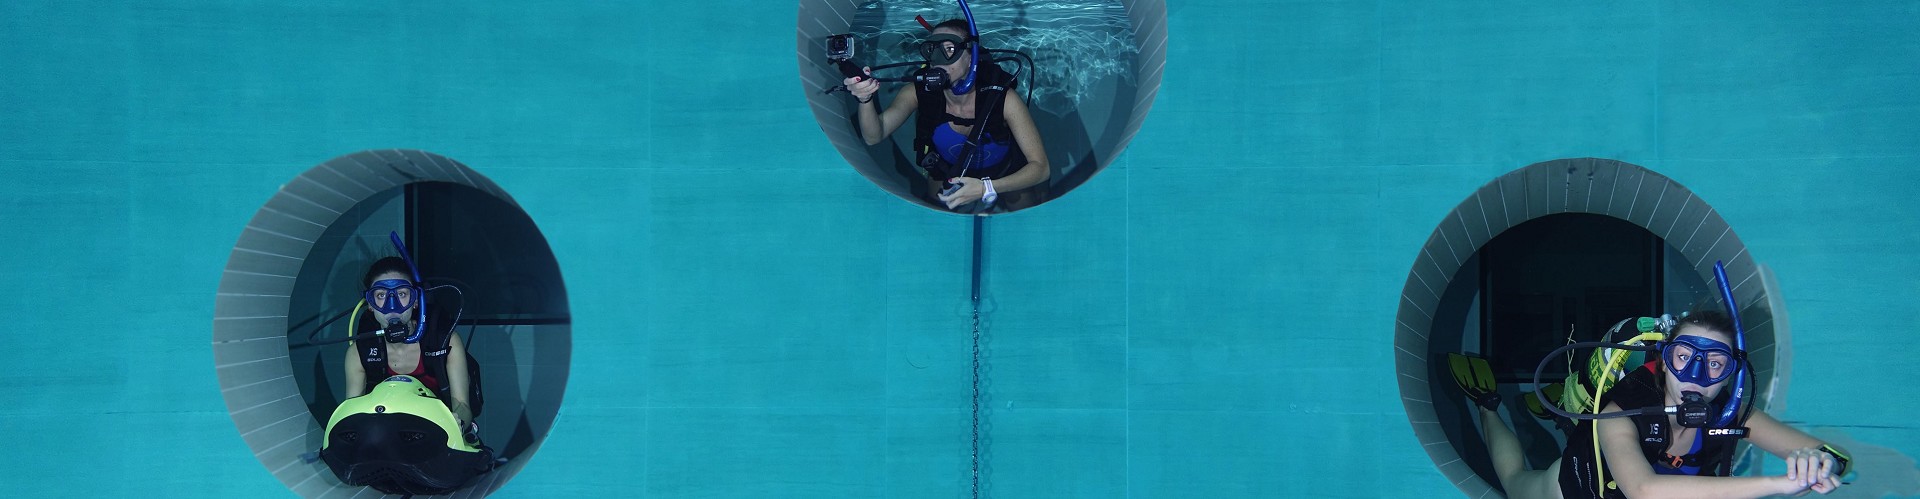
293	292
1555	252
1087	72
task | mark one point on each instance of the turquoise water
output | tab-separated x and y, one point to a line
1075	45
1212	317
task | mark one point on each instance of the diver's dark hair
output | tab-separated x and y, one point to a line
957	25
1707	316
385	265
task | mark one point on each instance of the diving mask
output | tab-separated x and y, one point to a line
392	296
1699	360
943	48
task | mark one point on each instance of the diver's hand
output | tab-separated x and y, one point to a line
1810	469
1825	480
970	190
1784	486
862	87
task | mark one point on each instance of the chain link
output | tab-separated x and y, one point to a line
979	234
976	399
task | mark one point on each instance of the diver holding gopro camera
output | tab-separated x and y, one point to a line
973	135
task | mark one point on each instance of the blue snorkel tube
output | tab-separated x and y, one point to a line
1728	413
421	328
973	63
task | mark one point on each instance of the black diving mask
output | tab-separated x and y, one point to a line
943	48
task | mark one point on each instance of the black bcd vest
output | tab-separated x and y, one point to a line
991	86
1578	468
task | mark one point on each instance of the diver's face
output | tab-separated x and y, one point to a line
958	68
1716	363
403	296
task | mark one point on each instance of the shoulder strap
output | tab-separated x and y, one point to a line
373	355
436	345
925	118
989	110
1637	390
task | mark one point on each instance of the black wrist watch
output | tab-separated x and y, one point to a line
1845	463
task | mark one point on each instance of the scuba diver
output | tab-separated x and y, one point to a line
973	135
391	296
1667	429
407	425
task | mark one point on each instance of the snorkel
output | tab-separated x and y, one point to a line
1728	413
973	63
421	327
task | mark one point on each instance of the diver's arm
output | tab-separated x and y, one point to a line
457	381
1777	437
1620	444
356	374
1804	459
1027	137
875	124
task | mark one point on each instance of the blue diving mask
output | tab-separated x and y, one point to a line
385	296
392	296
1699	360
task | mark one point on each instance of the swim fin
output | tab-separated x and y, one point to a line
1553	393
1558	395
1475	377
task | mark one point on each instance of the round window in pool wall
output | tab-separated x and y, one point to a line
1028	98
1559	252
392	322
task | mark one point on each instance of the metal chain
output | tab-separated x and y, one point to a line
976	400
979	233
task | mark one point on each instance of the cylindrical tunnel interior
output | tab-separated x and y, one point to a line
1084	122
295	274
1438	308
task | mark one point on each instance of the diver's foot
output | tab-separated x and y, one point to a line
1475	378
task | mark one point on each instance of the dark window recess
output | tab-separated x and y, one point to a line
490	249
1570	275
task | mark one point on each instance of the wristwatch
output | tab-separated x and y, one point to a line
1840	458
